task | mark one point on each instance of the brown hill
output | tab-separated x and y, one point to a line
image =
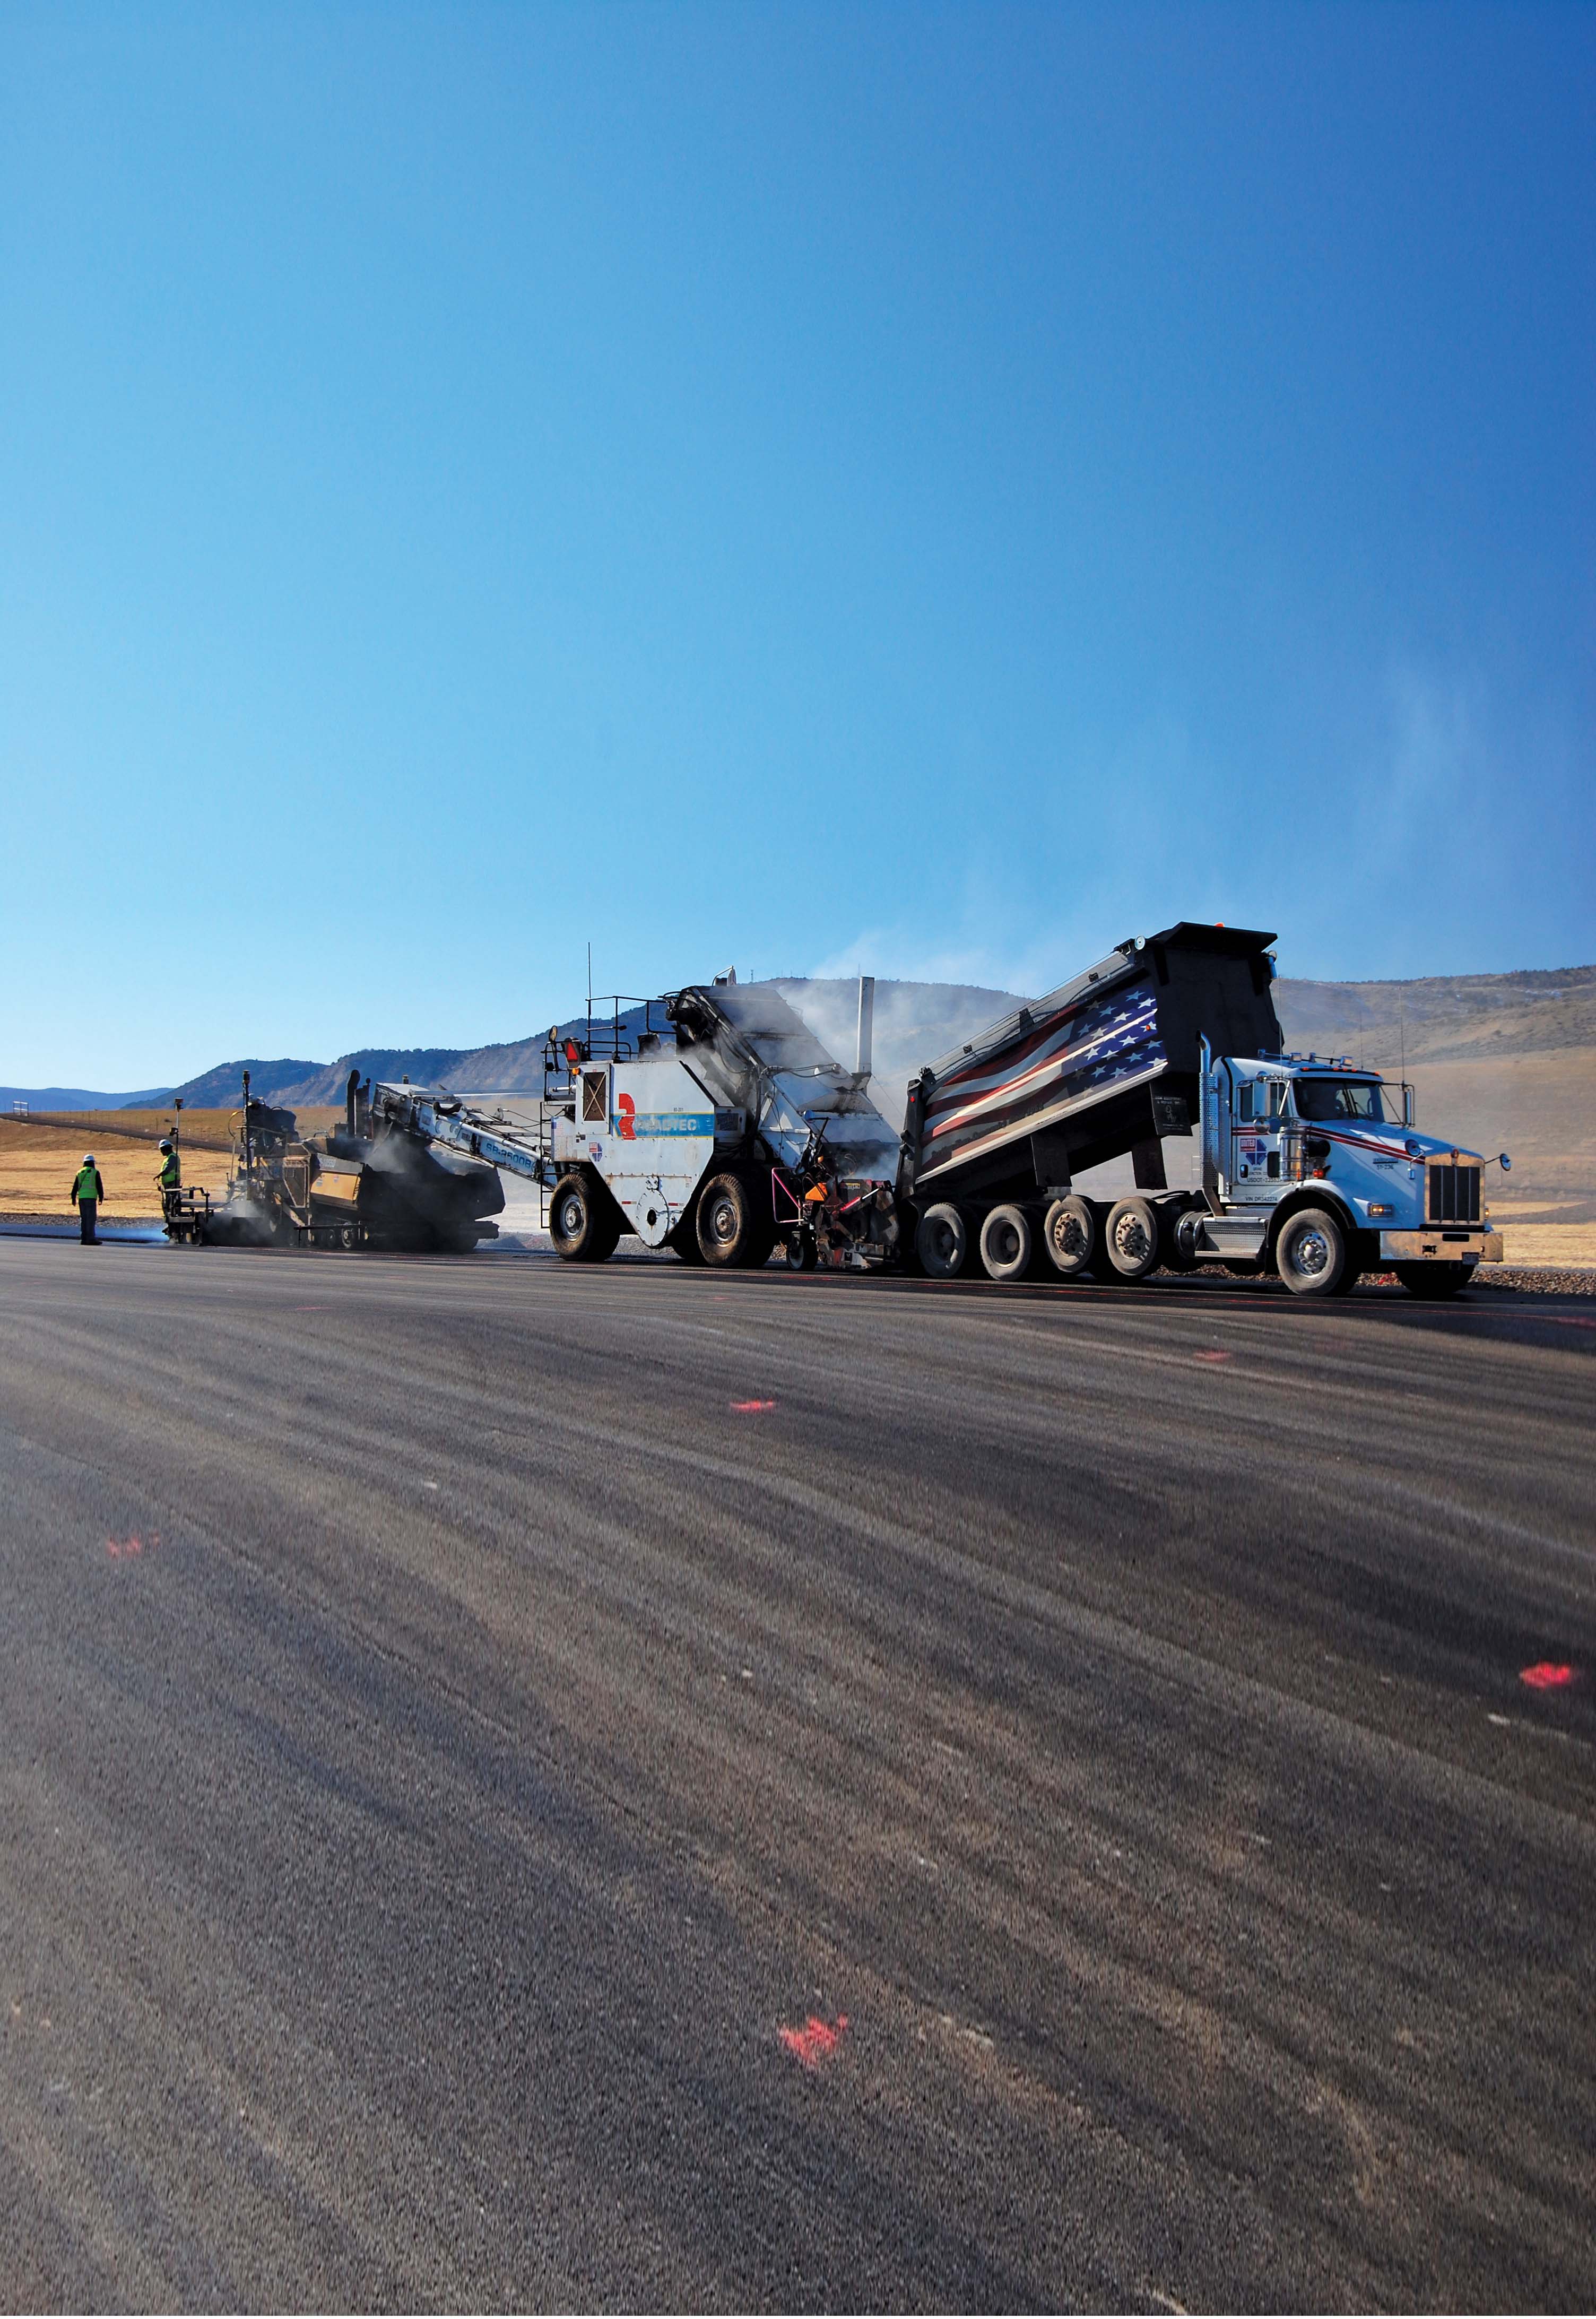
1441	1019
1504	1062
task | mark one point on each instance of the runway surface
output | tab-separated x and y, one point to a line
522	1784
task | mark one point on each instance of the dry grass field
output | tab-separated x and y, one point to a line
39	1157
39	1160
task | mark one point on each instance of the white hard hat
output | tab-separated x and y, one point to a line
88	1159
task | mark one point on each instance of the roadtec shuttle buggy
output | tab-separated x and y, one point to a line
711	1122
718	1126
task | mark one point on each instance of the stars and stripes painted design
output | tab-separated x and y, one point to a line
1069	1052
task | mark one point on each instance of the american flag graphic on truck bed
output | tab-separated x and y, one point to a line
1063	1059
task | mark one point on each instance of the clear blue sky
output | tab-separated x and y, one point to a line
932	489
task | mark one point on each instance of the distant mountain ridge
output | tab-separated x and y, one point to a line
289	1081
514	1067
60	1098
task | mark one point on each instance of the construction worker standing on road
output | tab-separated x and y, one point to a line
170	1178
89	1192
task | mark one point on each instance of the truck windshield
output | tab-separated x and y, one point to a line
1338	1099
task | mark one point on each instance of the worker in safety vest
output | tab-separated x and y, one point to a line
88	1191
170	1178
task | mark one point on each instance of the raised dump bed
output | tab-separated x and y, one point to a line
1104	1066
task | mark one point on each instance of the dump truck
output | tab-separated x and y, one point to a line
1310	1167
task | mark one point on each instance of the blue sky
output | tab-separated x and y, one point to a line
928	489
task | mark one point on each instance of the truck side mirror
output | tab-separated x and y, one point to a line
1410	1108
1504	1163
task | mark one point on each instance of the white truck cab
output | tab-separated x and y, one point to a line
1317	1167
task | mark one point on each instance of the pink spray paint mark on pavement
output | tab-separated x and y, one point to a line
121	1548
817	2039
744	1407
1211	1356
1546	1674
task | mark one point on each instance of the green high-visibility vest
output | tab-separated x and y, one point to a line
171	1174
87	1186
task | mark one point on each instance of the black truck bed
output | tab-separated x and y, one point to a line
1103	1066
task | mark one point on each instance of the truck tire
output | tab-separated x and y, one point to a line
941	1242
802	1255
682	1239
1130	1238
1069	1235
1310	1253
1008	1244
1171	1255
1433	1281
730	1228
583	1229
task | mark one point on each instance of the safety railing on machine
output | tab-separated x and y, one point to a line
608	1033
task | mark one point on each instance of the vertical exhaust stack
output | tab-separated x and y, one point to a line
350	1094
866	1026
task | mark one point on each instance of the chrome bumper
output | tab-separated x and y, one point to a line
1441	1244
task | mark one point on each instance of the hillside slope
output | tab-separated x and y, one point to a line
1442	1018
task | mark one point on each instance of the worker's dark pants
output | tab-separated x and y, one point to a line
87	1212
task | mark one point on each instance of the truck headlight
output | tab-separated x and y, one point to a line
1381	1208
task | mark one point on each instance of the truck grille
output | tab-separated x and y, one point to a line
1454	1196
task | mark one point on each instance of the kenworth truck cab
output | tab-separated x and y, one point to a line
1315	1169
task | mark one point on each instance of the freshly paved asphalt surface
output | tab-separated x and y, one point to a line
444	1740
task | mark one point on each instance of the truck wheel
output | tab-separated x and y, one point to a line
1069	1234
730	1229
1171	1255
1007	1243
943	1241
682	1239
802	1255
1310	1253
1130	1238
1431	1281
580	1231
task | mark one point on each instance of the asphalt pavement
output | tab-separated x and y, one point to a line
523	1784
